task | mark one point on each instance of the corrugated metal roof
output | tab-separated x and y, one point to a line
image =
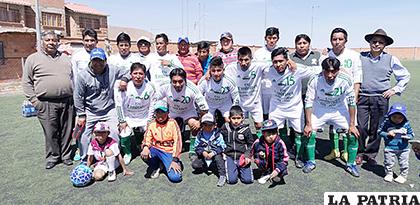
80	8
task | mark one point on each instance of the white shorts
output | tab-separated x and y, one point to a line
256	113
104	166
295	122
224	109
340	119
265	99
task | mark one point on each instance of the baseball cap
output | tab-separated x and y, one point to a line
143	39
269	125
97	53
207	118
227	35
398	108
161	105
183	39
101	127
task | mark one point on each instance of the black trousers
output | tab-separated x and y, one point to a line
200	164
371	111
57	119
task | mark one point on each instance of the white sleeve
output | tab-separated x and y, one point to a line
310	92
358	72
350	96
401	74
90	150
114	148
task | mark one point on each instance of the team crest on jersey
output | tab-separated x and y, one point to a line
250	76
241	137
336	92
314	61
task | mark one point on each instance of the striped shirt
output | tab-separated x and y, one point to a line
192	67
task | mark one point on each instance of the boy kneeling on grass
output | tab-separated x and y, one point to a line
162	145
270	154
104	154
209	147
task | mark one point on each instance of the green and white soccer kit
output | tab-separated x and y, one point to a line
350	63
135	105
286	101
219	95
249	87
159	74
182	104
330	105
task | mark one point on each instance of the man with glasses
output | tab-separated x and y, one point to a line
376	91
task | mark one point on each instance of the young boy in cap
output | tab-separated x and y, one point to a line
396	131
270	154
330	100
238	139
162	145
209	147
104	154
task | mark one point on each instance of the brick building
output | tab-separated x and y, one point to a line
17	29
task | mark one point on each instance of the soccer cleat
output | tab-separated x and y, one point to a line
309	166
299	163
389	177
345	156
221	182
400	179
112	176
352	169
333	155
127	159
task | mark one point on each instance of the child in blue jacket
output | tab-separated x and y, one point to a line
209	147
396	131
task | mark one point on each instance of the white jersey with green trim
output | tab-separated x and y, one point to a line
323	96
135	105
219	93
159	74
287	88
248	82
263	55
349	62
120	62
184	101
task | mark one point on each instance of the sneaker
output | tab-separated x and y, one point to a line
263	179
389	177
155	174
76	155
112	176
344	156
352	169
400	179
127	159
333	155
221	182
309	166
299	163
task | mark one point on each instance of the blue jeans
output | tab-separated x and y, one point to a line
158	156
233	170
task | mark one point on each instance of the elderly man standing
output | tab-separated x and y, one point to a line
47	83
375	92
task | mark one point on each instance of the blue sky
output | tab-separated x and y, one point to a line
247	19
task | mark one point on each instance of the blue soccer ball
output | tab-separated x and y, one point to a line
81	175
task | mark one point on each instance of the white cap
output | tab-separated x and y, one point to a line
143	38
208	117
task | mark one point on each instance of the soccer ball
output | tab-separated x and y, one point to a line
81	175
